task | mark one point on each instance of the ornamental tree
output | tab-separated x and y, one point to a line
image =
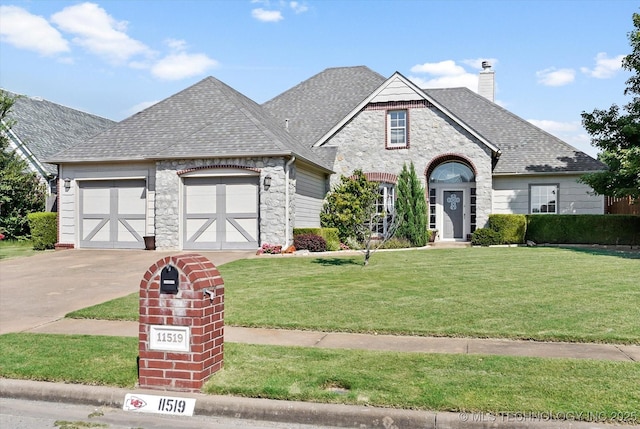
618	133
349	205
411	208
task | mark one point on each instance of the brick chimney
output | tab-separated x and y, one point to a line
486	82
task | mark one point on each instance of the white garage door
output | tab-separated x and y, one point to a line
112	213
221	213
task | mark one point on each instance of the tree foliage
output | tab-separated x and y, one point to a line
618	133
21	192
349	205
411	208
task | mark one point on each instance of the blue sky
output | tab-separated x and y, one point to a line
553	58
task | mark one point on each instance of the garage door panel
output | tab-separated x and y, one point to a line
131	201
229	204
95	229
201	198
112	214
201	230
96	201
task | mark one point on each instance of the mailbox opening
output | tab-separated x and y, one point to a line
169	280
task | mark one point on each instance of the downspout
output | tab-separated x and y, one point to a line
287	168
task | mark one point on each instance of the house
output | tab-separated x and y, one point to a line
42	128
208	168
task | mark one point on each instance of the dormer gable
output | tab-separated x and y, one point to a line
396	89
399	89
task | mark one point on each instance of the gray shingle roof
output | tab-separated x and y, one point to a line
525	148
46	128
314	106
208	119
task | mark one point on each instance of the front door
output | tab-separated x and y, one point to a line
453	220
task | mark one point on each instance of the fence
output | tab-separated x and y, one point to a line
622	205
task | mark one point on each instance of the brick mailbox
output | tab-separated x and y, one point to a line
181	333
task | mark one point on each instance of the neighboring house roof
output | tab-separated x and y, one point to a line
208	119
314	106
525	148
43	128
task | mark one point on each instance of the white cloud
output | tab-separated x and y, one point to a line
605	67
298	7
443	68
26	31
182	65
267	15
446	74
555	77
99	33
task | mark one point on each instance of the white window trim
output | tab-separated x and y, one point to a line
532	186
391	145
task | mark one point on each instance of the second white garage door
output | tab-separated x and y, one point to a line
220	213
112	213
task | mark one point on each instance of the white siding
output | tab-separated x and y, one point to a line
310	192
511	194
68	204
396	90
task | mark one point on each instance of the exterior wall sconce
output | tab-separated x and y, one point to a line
267	183
67	184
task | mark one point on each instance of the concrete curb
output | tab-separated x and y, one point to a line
297	412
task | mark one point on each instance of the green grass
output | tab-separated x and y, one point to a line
495	384
544	294
15	249
93	360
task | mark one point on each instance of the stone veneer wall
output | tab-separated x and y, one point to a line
361	144
272	201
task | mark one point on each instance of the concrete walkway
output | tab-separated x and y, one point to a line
370	342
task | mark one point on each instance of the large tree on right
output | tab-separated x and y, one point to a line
618	134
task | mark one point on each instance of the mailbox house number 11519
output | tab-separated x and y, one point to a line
171	338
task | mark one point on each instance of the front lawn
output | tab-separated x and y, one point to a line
545	294
497	384
15	248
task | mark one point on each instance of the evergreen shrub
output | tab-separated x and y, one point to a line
584	229
44	229
485	237
511	227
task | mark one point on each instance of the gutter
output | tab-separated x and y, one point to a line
287	168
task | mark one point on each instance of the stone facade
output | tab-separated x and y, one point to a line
361	145
272	223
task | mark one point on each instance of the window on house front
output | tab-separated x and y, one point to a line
397	129
543	198
385	206
452	172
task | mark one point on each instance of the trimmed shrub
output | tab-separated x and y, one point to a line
511	227
44	230
310	242
584	229
485	237
330	235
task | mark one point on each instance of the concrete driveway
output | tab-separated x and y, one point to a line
40	289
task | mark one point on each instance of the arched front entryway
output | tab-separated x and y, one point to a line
452	197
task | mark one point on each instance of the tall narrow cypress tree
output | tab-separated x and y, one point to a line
411	207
